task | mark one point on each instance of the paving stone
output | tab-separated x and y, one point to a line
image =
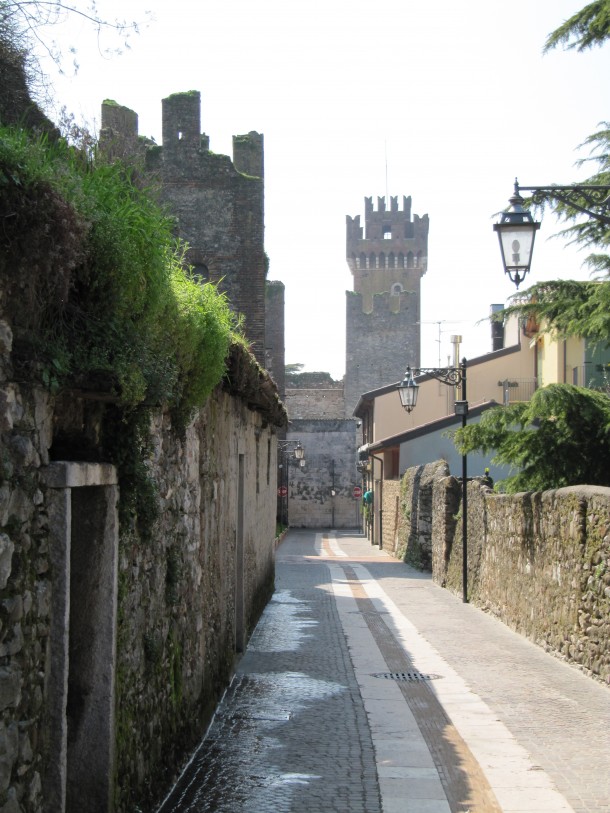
306	725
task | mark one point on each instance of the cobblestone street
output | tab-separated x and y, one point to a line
367	688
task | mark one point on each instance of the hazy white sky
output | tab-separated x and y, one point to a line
457	95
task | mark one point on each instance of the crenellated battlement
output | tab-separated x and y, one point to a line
392	231
370	212
182	139
248	154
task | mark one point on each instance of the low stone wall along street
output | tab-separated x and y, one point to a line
540	562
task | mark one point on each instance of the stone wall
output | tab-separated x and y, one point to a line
323	404
312	396
540	562
330	466
174	598
408	514
275	360
393	518
316	409
193	592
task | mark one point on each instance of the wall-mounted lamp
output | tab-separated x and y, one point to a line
516	231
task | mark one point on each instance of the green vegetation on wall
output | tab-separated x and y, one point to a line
109	303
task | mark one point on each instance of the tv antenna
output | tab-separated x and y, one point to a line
440	322
387	188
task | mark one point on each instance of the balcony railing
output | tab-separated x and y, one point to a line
516	389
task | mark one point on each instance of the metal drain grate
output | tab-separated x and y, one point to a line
413	677
368	612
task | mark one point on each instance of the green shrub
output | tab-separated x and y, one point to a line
112	306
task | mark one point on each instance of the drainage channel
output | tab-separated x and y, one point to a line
413	677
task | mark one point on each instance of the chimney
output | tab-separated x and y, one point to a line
456	342
497	329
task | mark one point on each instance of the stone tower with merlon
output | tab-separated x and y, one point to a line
218	203
387	258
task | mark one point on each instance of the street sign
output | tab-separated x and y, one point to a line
282	491
357	492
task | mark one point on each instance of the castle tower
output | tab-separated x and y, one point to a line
383	310
218	203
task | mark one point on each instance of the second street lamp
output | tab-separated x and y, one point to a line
408	390
287	450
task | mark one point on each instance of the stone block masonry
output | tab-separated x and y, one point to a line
320	495
540	561
193	592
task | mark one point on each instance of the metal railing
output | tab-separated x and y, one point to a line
517	389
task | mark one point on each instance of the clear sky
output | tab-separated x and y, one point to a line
444	101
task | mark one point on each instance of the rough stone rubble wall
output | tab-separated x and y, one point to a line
177	645
311	404
540	562
178	589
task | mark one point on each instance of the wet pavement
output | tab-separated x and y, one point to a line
367	688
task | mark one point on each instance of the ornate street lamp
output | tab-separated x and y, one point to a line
294	446
516	232
517	228
408	390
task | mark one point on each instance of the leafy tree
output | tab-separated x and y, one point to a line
588	27
559	438
25	23
567	308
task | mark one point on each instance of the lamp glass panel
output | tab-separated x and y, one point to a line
408	393
517	243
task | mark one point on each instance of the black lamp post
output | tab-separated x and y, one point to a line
408	390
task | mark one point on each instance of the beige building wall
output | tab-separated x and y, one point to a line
436	400
557	359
